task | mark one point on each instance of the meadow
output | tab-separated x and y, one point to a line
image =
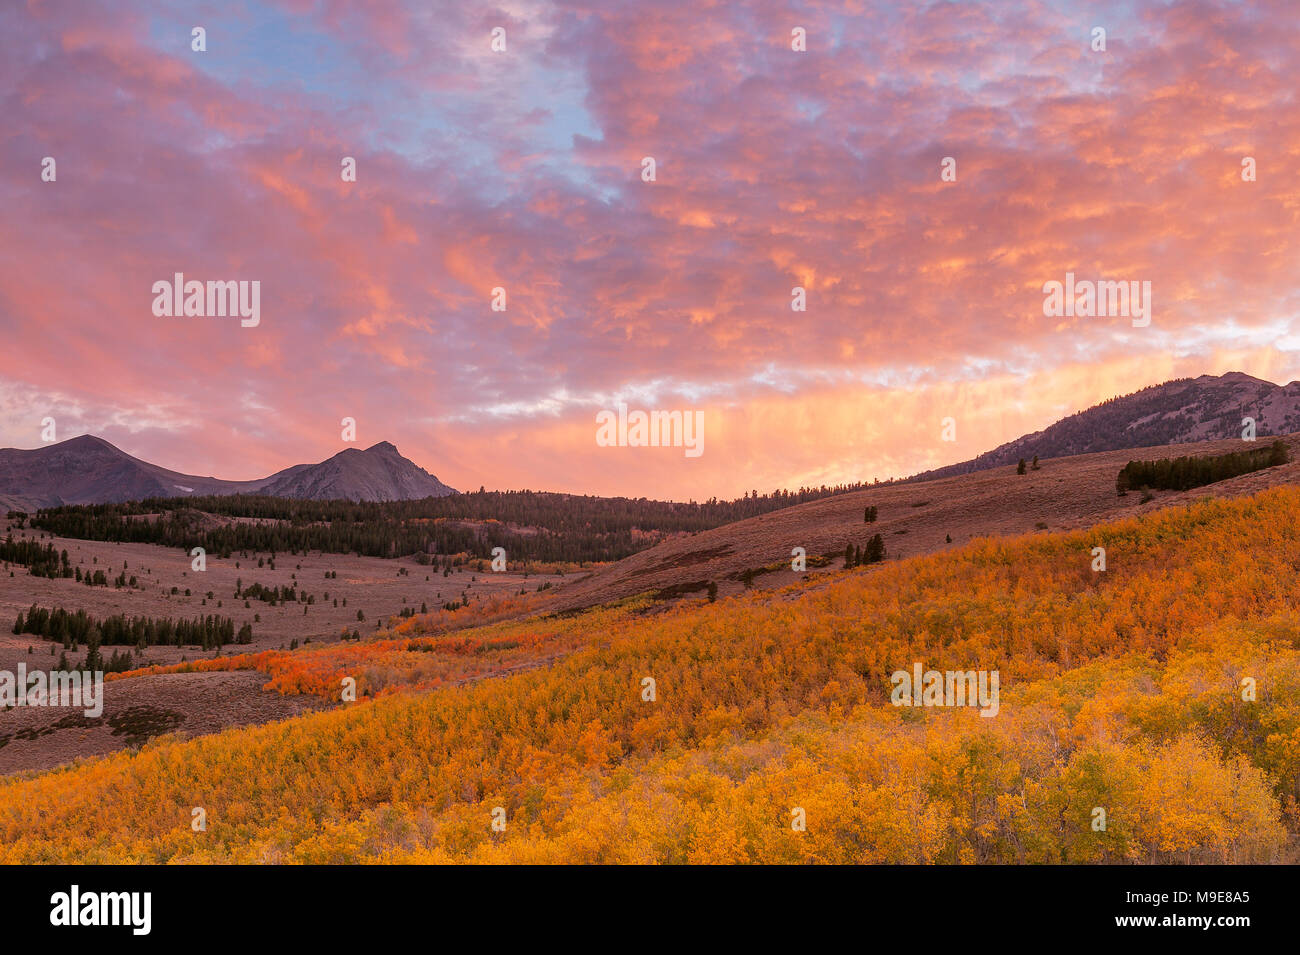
1164	690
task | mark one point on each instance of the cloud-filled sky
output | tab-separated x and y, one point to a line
522	169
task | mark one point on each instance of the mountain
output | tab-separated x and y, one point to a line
1181	411
378	473
89	470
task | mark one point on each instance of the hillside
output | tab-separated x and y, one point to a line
913	519
1119	690
1182	411
89	470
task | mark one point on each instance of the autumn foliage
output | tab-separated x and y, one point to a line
1121	689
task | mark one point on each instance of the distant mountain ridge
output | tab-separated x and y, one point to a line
379	473
90	470
1181	411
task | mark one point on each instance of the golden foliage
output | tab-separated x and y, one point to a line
1120	690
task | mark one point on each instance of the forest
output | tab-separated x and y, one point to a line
41	560
530	525
1184	473
77	627
1163	691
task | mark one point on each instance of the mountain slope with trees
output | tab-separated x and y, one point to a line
1181	411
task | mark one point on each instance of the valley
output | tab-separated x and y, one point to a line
385	602
378	590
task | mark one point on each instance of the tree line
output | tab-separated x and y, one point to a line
530	525
76	627
1183	473
271	595
41	560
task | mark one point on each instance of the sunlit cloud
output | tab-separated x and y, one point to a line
522	170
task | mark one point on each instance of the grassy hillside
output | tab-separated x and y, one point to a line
1062	495
1120	690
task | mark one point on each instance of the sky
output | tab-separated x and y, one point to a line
522	169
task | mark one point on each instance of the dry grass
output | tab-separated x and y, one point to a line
1064	494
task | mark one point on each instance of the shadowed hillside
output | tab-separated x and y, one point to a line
1176	412
912	518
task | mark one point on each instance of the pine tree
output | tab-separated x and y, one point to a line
94	661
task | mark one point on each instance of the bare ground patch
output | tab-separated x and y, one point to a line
136	710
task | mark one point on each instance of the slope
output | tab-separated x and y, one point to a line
912	518
1118	689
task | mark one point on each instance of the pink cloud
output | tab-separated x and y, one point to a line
775	169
